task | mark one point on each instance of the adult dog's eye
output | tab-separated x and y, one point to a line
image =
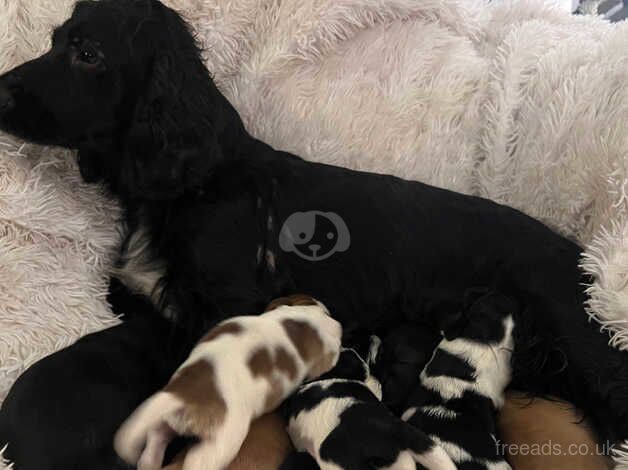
88	55
85	53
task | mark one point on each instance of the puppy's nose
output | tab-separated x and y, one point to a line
6	98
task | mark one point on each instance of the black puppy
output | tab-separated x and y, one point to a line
84	392
206	203
340	421
462	386
396	360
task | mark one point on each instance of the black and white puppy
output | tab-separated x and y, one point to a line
340	421
462	386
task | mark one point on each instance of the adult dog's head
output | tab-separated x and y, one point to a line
124	83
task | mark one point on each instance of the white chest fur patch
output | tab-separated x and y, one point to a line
138	268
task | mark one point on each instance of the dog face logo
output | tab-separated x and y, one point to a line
314	235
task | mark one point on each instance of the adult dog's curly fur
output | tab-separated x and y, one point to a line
124	84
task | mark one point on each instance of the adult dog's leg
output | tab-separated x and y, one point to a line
560	352
581	367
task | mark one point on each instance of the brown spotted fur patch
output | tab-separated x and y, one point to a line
264	364
291	301
285	363
205	408
305	338
275	394
261	363
228	328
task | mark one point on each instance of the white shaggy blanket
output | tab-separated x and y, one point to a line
515	101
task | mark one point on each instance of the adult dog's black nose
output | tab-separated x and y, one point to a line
6	98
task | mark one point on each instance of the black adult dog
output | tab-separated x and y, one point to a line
218	219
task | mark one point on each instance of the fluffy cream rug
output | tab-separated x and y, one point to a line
515	101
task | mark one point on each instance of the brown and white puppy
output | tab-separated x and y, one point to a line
266	446
244	367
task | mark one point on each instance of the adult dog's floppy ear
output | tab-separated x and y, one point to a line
173	139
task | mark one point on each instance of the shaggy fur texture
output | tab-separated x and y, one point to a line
516	74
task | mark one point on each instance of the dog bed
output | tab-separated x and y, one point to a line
516	101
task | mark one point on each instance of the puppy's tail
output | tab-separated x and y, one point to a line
131	438
425	451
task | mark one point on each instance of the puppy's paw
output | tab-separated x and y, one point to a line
152	457
145	435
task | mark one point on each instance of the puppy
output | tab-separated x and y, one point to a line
299	461
101	379
396	360
463	384
265	448
563	438
340	421
241	369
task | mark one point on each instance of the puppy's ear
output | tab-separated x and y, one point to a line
452	324
473	295
173	140
489	300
